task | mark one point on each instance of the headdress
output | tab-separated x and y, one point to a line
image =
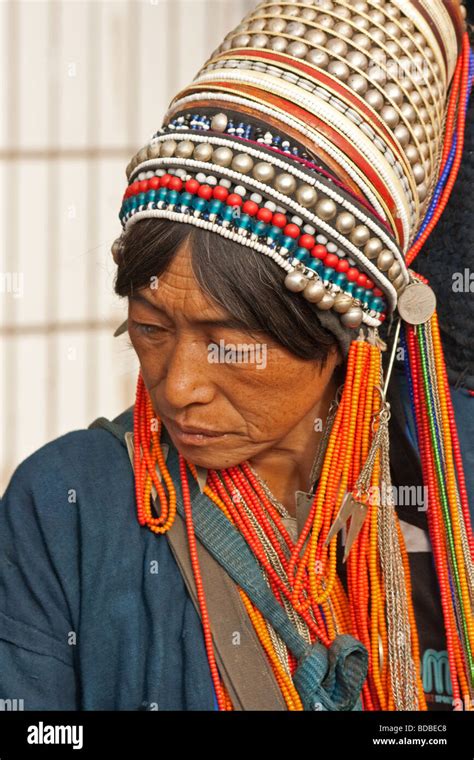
327	136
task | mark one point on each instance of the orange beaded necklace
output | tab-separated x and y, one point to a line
307	577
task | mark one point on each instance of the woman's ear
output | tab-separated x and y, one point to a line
335	350
339	373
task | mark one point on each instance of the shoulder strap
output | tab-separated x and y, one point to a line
120	425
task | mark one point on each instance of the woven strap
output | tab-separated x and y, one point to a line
326	679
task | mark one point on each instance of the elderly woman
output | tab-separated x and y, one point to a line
238	539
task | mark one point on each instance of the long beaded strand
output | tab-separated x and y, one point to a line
363	358
218	687
448	516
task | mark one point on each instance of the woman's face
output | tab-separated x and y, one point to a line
204	370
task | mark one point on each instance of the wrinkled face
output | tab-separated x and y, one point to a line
204	370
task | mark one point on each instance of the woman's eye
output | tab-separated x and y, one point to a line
147	329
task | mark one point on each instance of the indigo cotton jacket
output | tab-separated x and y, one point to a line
94	612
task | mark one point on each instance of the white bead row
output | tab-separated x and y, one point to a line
360	123
318	140
326	112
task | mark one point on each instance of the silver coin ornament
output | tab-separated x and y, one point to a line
417	303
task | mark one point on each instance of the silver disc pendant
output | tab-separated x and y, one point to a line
417	303
303	500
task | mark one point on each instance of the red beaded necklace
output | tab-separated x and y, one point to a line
307	580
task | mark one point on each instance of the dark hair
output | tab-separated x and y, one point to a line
244	282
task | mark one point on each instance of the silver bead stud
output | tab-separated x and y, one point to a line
185	149
358	83
316	37
342	303
375	99
352	318
242	163
154	150
337	47
360	235
278	44
298	49
372	248
295	29
168	148
345	222
203	152
259	40
223	156
326	209
142	155
263	172
394	271
339	69
295	281
285	183
385	260
318	58
306	196
219	122
314	291
326	302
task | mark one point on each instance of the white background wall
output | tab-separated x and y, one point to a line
83	85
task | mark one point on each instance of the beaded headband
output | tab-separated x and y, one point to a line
314	134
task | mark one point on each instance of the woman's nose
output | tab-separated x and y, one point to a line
190	377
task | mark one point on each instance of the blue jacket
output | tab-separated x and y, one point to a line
74	632
85	621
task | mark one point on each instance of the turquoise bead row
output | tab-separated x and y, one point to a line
329	275
219	212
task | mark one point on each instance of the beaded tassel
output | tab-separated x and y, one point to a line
307	586
223	699
356	464
402	656
448	510
147	456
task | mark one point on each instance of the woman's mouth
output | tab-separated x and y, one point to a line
195	436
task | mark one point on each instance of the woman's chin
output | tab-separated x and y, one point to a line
208	457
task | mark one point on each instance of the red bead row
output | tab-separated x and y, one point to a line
339	264
206	626
263	214
233	479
